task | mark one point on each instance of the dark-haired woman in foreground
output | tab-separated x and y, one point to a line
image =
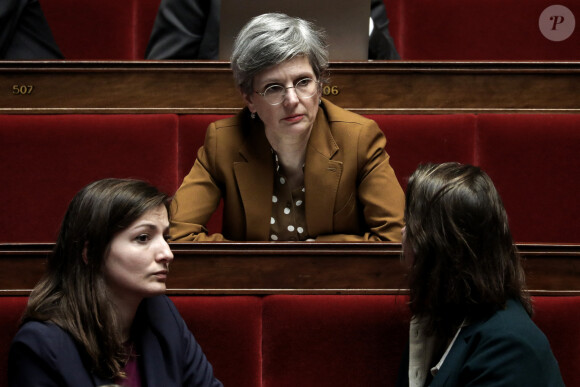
471	320
99	315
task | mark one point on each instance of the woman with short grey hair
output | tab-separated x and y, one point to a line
291	166
271	39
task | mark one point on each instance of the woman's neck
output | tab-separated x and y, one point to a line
126	310
291	150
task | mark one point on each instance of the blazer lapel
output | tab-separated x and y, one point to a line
255	179
454	359
321	177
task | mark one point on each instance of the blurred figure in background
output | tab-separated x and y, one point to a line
24	32
189	29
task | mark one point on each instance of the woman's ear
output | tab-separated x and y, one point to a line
248	99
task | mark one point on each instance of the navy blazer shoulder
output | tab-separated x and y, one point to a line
507	349
44	354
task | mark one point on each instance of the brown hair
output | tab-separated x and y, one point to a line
464	263
73	294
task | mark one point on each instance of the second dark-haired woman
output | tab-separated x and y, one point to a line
471	321
99	316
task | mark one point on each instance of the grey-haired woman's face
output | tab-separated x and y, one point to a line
295	115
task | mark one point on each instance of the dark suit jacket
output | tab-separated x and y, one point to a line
24	32
189	29
352	193
44	354
508	349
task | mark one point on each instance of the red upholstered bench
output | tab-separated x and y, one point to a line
534	162
47	159
229	329
531	158
93	30
559	319
333	340
317	340
481	30
419	139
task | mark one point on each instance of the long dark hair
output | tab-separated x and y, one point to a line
73	293
464	262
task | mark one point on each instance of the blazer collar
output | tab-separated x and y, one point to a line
255	179
321	176
455	356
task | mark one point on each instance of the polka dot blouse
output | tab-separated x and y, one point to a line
288	220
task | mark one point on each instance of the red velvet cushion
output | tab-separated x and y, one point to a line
534	163
333	340
482	30
47	159
559	319
229	330
93	29
11	310
419	139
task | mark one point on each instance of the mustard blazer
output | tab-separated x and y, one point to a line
352	193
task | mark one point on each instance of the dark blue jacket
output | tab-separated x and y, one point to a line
42	354
507	349
24	32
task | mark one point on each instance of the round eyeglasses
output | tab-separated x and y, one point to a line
275	94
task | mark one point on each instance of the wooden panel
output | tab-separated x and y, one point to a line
296	268
390	87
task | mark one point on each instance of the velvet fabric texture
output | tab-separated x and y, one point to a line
532	159
46	160
419	139
231	329
481	30
317	340
339	341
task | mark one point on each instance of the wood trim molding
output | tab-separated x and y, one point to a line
296	268
206	87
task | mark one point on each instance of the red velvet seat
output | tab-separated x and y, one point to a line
419	139
47	159
534	163
93	30
333	340
559	319
482	30
317	340
229	329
